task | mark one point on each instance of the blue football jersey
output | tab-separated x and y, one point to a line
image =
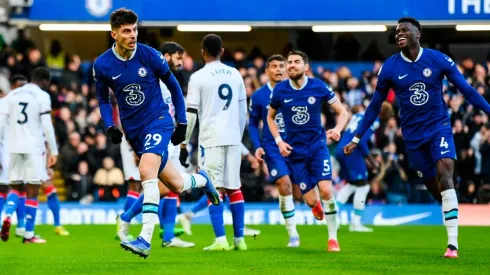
259	108
136	85
350	130
418	89
301	110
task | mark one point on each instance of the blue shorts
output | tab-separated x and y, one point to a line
353	167
425	157
153	139
308	171
277	165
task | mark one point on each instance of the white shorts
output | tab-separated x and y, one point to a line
131	171
223	165
45	176
27	168
4	171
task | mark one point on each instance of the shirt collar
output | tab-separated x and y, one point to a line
120	57
300	88
410	61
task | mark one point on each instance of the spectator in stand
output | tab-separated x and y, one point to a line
108	181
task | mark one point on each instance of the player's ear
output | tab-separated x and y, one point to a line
114	34
221	51
307	66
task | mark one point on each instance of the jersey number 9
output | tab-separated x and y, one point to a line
226	97
23	112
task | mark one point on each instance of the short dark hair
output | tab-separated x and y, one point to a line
412	21
17	77
300	53
274	57
122	16
212	44
171	47
40	74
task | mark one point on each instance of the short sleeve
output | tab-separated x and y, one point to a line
193	92
45	104
329	95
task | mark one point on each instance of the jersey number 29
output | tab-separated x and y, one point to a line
23	112
226	97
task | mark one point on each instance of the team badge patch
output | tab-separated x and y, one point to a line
274	172
311	100
142	72
302	186
427	72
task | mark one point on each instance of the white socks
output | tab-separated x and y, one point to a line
450	215
345	193
150	208
330	208
286	204
359	203
192	181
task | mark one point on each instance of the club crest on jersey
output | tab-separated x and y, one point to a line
311	100
427	72
420	96
301	117
142	72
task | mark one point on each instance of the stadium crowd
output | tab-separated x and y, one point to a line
90	164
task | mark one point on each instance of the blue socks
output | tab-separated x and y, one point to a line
237	208
134	210
169	213
53	203
12	202
130	199
200	205
217	220
21	211
31	210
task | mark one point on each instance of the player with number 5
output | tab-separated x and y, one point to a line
416	74
133	71
300	100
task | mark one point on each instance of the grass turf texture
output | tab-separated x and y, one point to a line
91	249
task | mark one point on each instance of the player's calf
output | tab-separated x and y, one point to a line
445	168
237	208
32	204
286	204
330	208
3	195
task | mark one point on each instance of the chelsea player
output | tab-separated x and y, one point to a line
266	149
300	101
353	168
133	71
416	74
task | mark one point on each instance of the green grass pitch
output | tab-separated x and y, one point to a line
91	249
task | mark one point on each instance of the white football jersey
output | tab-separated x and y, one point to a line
167	97
215	91
24	107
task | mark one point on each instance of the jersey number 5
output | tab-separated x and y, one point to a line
326	167
23	112
226	97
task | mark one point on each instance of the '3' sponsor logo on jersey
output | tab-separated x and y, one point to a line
135	96
420	96
301	116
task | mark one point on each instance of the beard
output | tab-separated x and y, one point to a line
296	76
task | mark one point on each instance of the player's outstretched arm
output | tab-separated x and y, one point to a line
370	116
456	78
253	129
342	117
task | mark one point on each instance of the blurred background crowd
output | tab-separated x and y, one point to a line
89	163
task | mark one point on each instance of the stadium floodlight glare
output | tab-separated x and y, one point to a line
75	27
214	28
349	28
473	27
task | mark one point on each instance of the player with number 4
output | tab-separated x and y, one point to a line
416	74
300	100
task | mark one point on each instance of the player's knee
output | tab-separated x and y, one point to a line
284	186
147	173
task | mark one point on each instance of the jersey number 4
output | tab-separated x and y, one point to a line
23	112
226	97
444	143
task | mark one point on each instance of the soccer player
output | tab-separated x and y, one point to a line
353	168
300	101
266	148
217	94
201	204
416	74
28	110
133	71
15	82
